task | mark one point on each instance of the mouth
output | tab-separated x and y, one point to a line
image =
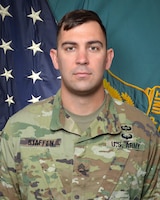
82	74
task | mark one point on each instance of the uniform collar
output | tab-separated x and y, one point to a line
107	121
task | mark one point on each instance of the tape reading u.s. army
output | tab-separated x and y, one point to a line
126	144
40	142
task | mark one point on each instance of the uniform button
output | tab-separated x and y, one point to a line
76	196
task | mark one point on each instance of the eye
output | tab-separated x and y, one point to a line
94	48
70	48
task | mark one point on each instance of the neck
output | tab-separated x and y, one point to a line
82	104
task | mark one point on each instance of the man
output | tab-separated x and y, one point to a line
80	144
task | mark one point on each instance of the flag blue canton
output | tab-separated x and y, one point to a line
27	33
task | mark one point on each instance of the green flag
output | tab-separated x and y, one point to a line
133	28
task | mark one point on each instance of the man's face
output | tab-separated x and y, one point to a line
82	58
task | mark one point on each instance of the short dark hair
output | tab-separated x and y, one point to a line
78	17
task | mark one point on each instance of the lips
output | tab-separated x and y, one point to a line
82	74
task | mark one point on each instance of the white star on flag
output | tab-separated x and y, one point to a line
27	33
6	46
7	74
4	12
35	15
34	99
35	76
35	47
9	100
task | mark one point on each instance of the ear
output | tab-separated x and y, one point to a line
53	55
109	58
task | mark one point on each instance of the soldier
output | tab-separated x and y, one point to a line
80	144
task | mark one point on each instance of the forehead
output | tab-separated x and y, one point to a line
87	31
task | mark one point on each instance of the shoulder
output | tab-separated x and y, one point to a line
34	115
35	108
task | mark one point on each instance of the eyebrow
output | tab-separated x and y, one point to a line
95	42
75	43
68	43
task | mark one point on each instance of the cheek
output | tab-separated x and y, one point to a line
64	68
99	66
99	60
99	71
65	61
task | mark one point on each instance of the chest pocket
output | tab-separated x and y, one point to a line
109	167
39	174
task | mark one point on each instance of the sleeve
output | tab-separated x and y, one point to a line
8	174
151	189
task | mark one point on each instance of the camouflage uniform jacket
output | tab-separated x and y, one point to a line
44	156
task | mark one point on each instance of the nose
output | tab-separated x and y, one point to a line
82	57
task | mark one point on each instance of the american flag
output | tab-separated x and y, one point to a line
27	33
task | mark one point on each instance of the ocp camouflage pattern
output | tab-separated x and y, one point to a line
44	155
